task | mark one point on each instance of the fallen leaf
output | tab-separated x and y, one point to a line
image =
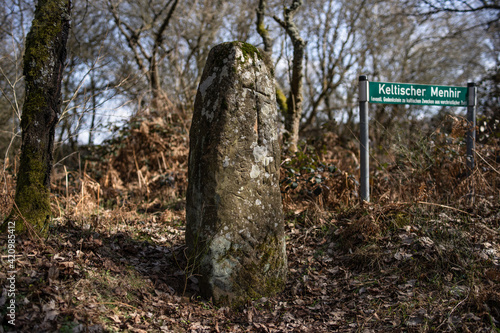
53	273
115	318
50	311
415	321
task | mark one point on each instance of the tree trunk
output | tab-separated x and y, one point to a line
94	108
293	113
261	28
43	67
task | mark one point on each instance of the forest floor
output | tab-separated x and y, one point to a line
408	262
431	271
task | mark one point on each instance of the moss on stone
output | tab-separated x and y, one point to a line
258	282
229	230
248	50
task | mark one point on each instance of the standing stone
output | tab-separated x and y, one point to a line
235	231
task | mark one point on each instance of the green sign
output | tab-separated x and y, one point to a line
419	94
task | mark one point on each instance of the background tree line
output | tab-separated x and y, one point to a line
146	56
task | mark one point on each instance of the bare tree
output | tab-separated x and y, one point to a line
143	25
295	97
145	51
424	49
197	29
14	17
90	76
335	54
430	7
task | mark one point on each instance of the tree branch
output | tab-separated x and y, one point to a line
261	29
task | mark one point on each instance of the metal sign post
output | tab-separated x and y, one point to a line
416	94
363	145
471	125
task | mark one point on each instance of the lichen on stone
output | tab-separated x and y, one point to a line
233	175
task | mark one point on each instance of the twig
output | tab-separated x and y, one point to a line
487	162
139	173
58	162
439	205
67	187
6	158
453	310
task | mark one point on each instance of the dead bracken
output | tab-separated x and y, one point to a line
396	264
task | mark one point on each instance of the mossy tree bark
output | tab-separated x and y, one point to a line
293	115
268	48
44	59
261	27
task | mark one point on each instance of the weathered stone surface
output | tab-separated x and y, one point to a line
235	231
